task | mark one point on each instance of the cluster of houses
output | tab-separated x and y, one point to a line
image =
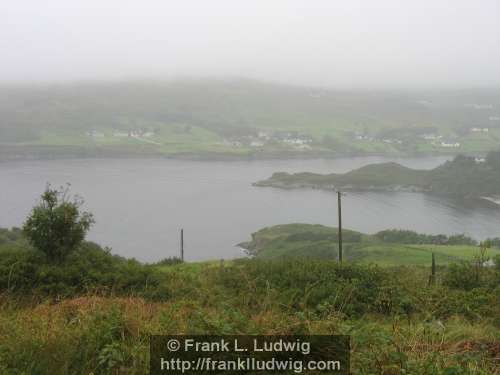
449	144
478	106
133	133
291	138
437	140
434	139
479	130
431	137
136	133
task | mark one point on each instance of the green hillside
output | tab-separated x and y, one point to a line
226	117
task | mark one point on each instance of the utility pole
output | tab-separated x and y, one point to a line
339	203
182	245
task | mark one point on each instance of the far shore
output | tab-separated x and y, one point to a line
9	152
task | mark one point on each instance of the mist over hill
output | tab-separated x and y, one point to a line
229	114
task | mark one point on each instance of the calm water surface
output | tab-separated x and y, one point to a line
140	205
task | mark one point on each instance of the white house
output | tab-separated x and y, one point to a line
303	147
431	137
391	141
263	134
95	134
256	143
117	133
451	144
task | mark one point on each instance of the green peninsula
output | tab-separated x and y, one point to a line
464	176
386	248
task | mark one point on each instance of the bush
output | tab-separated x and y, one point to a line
10	236
88	269
350	289
169	261
471	275
56	226
411	237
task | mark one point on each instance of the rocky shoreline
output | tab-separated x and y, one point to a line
304	185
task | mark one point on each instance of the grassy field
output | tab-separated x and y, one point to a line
102	334
400	255
200	140
320	242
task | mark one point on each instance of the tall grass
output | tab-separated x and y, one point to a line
397	324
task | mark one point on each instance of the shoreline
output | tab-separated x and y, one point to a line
26	153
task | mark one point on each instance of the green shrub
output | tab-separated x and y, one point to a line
350	289
169	261
57	226
89	269
411	237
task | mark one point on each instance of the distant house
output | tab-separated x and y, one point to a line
494	118
391	141
479	130
94	134
231	142
479	106
117	133
361	136
431	137
292	138
133	133
296	141
479	160
303	147
263	134
450	144
256	143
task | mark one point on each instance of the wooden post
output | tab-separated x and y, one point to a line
432	278
182	245
339	195
433	268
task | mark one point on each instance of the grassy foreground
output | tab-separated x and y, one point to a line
93	313
398	324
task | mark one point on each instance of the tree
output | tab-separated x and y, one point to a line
56	226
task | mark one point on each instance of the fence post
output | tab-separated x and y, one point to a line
339	203
182	245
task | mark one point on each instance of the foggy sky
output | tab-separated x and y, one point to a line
351	43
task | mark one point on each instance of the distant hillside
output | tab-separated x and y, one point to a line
226	116
320	242
222	105
463	176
